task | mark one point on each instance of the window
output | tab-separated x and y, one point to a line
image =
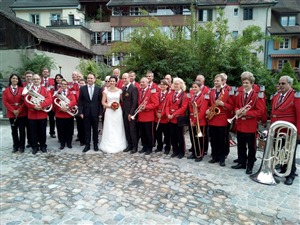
55	16
134	11
205	15
103	38
2	36
35	18
297	63
298	43
288	21
235	12
235	34
248	13
285	44
281	63
121	34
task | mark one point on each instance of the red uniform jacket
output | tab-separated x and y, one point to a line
137	85
147	115
154	86
288	110
73	102
120	84
220	120
177	105
39	114
74	87
163	98
248	123
202	106
14	101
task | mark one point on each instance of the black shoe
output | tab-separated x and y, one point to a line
213	161
127	149
205	153
53	135
174	155
198	159
43	149
249	171
96	149
289	181
167	152
191	157
180	156
14	150
239	166
77	139
143	150
148	152
86	148
191	150
222	164
134	150
28	146
62	147
22	149
81	144
158	150
69	145
236	160
34	151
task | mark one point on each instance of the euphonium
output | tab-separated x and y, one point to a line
279	150
34	98
63	102
214	110
243	109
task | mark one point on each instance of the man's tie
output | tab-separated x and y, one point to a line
245	98
64	92
14	90
280	98
45	82
217	94
143	93
91	92
174	96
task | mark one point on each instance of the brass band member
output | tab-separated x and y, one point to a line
16	111
220	103
148	101
161	119
249	107
65	121
286	107
176	106
197	108
38	117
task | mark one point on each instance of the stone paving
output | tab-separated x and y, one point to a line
69	187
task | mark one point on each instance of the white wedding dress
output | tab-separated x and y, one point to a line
113	135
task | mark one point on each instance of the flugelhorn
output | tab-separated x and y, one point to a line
34	98
279	150
63	102
241	110
139	108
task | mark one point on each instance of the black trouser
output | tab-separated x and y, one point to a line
163	130
80	129
146	132
244	140
130	131
65	127
38	133
218	142
227	143
91	122
18	132
200	142
51	122
177	139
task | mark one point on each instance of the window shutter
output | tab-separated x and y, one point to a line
274	63
294	42
292	62
276	45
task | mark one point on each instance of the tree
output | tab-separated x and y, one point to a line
191	50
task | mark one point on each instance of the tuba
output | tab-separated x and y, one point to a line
279	150
63	102
34	98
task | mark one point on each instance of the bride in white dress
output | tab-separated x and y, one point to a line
113	135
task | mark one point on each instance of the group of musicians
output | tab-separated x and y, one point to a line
156	113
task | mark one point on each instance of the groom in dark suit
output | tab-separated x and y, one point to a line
129	105
90	108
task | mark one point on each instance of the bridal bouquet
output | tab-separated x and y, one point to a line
115	105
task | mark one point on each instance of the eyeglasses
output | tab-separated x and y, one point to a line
35	78
63	84
106	81
281	83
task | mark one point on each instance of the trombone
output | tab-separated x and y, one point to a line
195	109
243	109
139	108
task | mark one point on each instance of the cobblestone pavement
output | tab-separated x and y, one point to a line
69	187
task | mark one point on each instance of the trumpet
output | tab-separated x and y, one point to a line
63	102
35	98
243	109
139	108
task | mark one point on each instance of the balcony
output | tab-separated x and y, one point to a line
71	21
